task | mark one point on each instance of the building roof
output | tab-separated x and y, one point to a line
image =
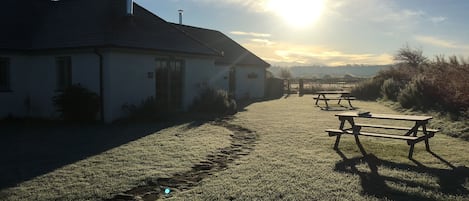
46	24
233	53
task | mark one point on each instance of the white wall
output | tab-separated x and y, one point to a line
34	77
85	71
201	73
126	81
12	102
249	87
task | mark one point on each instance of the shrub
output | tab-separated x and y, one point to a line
391	88
450	86
148	109
416	94
213	101
77	103
401	73
368	89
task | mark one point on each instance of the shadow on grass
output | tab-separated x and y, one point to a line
451	181
242	143
336	108
31	149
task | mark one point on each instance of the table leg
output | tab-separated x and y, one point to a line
341	127
319	95
413	130
342	122
325	100
337	140
427	144
350	104
424	129
360	146
411	150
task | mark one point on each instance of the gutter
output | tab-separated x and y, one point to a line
101	88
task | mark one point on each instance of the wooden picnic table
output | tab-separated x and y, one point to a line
417	133
344	95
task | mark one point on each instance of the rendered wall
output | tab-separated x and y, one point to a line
33	82
200	74
127	79
250	82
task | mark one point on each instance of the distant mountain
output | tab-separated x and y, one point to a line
339	71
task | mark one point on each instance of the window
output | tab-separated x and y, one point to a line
64	72
4	74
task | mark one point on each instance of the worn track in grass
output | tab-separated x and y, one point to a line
242	143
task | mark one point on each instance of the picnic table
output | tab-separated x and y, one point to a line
344	95
417	133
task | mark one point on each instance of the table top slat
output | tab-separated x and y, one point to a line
402	137
386	116
332	92
393	127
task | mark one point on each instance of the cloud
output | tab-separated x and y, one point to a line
397	16
262	41
253	5
242	33
434	41
384	14
294	54
438	19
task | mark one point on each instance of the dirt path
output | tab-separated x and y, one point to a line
242	143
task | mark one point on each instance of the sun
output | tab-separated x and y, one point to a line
298	13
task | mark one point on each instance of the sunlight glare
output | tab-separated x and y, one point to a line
298	13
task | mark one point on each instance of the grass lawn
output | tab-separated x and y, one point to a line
273	150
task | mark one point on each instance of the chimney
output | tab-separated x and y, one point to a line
129	10
180	15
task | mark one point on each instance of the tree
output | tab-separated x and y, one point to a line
412	57
285	73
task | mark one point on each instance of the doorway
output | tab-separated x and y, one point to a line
169	83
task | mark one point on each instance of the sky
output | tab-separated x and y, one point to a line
329	32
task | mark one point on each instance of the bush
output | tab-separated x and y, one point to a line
416	94
148	109
401	73
450	86
390	89
368	89
213	101
77	103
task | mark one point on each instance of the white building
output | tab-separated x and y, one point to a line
117	49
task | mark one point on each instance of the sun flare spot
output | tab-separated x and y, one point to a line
298	13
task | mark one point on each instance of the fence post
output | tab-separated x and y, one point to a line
300	88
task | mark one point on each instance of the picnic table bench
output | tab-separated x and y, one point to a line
344	95
412	135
